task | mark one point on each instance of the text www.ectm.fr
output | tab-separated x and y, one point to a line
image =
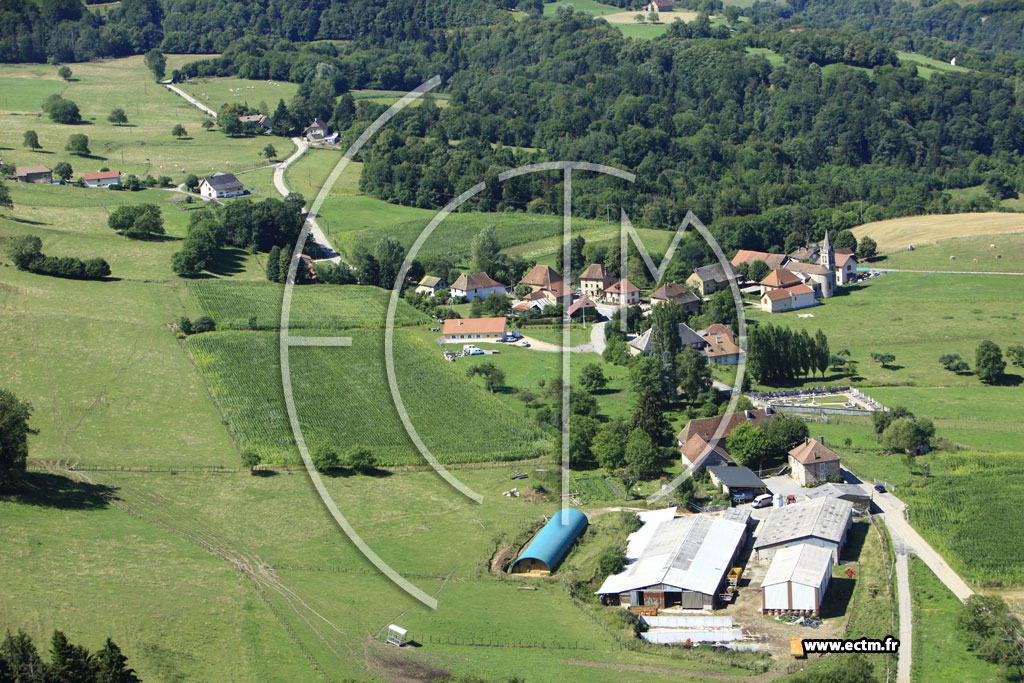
886	646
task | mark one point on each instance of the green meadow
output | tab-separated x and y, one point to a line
984	253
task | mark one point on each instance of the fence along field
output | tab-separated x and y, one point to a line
342	399
314	307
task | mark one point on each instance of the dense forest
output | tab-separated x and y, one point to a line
758	151
839	134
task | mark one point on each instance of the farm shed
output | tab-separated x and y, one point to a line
549	547
853	493
682	564
796	580
737	481
475	329
821	521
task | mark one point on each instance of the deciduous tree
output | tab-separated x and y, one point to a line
14	433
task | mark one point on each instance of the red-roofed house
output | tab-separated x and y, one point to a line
622	291
476	329
846	266
788	299
779	279
698	454
708	428
812	462
594	279
541	277
102	179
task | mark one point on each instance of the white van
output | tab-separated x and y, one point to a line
471	350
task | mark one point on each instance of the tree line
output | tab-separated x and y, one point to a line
26	252
68	663
779	354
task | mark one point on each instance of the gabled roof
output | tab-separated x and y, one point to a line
101	175
788	292
696	450
642	342
708	427
541	276
223	181
691	553
749	256
715	272
844	255
804	564
622	286
780	278
474	326
825	518
804	253
317	123
732	475
25	170
812	451
671	291
583	303
430	281
719	329
809	268
558	289
467	282
688	337
595	271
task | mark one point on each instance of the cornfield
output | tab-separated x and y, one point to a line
342	399
314	307
969	513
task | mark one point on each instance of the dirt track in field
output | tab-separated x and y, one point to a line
897	233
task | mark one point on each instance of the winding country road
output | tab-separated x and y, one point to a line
315	230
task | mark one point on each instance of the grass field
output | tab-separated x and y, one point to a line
326	307
939	650
773	57
928	67
588	6
873	603
182	613
342	399
216	92
144	147
964	250
896	233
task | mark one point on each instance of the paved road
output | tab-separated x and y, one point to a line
193	100
893	508
906	653
315	231
944	272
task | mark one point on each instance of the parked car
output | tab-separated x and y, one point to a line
880	488
525	343
763	501
743	497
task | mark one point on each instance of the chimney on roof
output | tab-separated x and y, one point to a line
821	439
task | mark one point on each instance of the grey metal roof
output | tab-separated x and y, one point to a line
838	491
690	553
736	476
741	515
803	564
825	518
715	271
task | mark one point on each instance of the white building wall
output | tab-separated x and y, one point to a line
776	596
769	553
803	597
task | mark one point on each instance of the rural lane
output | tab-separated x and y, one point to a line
314	228
906	635
192	100
596	344
944	272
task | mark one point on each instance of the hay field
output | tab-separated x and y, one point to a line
663	17
897	233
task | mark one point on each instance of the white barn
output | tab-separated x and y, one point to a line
676	562
821	521
796	580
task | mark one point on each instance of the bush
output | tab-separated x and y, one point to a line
26	253
611	560
185	325
62	111
325	459
250	458
204	323
360	459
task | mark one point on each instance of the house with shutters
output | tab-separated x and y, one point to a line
720	345
476	286
594	280
220	185
101	179
622	292
812	462
712	278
